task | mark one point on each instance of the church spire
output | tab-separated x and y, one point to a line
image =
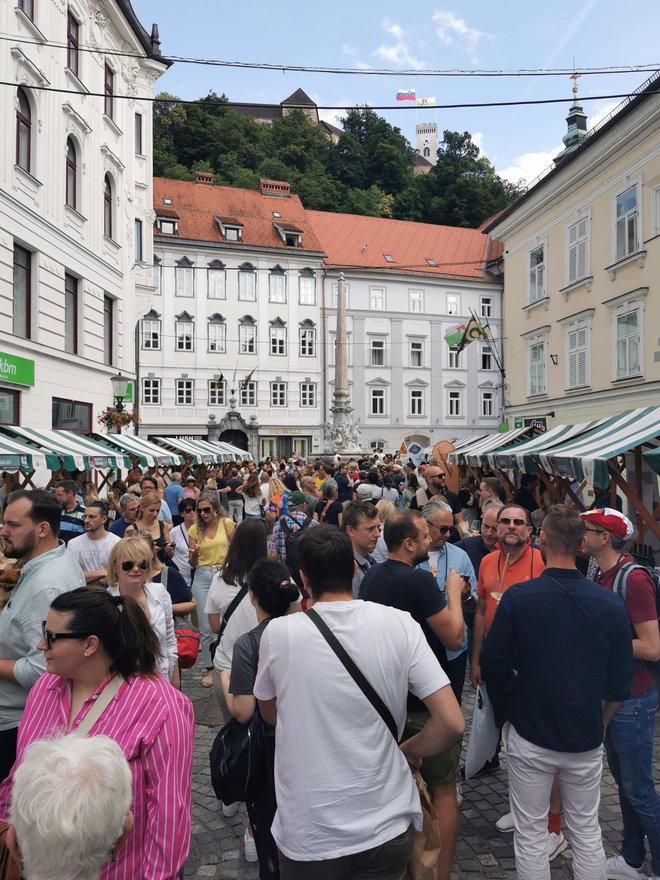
576	122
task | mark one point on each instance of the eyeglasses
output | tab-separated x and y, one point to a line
505	521
204	509
436	476
49	637
444	530
129	565
597	531
188	510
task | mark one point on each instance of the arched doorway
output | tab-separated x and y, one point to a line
236	438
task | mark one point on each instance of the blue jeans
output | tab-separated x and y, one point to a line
200	591
629	746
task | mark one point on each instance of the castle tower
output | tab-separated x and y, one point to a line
427	141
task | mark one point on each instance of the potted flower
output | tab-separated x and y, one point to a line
114	420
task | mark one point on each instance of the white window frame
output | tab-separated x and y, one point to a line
416	352
185	392
151	328
217	337
277	343
307	290
308	394
277	287
216	282
247	292
248	394
537	367
184	281
577	347
453	304
377	352
487	403
377	299
631	218
486	356
278	394
455	403
655	208
454	358
217	392
628	307
307	341
417	402
536	276
157	276
181	334
486	306
151	391
416	300
377	402
577	249
247	338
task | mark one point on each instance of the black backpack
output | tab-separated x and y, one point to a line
619	587
291	538
237	760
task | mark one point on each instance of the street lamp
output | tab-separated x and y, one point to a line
119	385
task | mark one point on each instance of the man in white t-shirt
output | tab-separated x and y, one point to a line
345	793
92	549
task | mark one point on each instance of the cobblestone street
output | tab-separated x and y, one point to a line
217	843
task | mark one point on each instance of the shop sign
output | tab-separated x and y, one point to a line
18	370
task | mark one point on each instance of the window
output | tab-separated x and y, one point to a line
453	304
628	342
70	314
292	239
308	341
416	300
184	333
247	283
23	132
626	223
231	233
151	391
71	173
277	339
486	306
377	349
216	280
308	394
9	407
277	286
278	393
108	330
217	392
22	317
151	332
107	206
416	401
454	362
335	294
138	241
184	278
248	394
537	274
28	8
416	353
487	404
455	403
486	357
307	288
71	415
578	343
388	258
166	226
109	92
138	135
217	335
184	392
247	338
537	366
377	299
578	250
377	402
72	46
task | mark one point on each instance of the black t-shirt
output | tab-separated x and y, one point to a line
409	589
331	517
233	484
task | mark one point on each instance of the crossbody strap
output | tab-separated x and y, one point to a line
353	671
233	605
100	705
571	597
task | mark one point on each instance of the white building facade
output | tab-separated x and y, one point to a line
75	205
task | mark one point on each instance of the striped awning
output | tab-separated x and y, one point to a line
475	454
524	456
148	454
200	451
17	456
586	457
74	451
235	452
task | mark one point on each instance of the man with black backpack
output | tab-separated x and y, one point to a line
629	738
286	533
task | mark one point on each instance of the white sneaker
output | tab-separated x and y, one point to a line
250	847
505	823
459	794
557	843
619	869
229	810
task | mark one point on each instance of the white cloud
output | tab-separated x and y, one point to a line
601	113
452	30
528	166
398	53
478	140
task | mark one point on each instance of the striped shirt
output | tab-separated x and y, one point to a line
71	523
154	725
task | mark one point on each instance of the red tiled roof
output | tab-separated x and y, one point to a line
197	206
361	242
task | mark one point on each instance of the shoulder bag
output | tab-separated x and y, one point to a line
233	605
427	844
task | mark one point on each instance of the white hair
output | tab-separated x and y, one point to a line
432	507
69	804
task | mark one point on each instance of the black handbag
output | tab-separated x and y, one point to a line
237	760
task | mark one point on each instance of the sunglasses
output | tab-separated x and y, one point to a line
505	521
188	509
129	565
444	530
49	637
204	509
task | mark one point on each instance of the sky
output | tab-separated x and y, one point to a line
431	36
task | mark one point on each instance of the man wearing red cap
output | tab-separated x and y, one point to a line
629	738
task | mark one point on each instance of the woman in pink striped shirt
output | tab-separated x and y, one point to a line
89	637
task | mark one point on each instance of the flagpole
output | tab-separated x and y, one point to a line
493	348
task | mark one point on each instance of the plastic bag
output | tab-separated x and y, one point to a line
484	734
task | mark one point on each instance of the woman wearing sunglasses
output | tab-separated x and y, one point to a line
100	649
129	569
209	541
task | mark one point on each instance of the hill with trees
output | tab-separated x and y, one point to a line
369	171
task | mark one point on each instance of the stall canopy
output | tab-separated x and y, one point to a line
524	456
69	450
148	454
16	456
475	453
586	457
235	453
200	451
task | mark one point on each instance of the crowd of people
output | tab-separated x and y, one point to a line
421	588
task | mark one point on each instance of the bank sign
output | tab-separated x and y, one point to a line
17	370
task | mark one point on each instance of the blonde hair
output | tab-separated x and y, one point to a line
148	500
275	487
385	509
136	549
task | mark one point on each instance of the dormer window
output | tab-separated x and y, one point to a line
232	233
167	201
230	230
167	226
291	236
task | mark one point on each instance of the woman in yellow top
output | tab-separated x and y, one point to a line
209	541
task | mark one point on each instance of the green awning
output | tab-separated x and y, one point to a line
476	452
148	454
200	451
16	456
72	451
524	456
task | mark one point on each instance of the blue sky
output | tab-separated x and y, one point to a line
426	36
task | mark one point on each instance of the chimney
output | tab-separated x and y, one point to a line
204	177
278	188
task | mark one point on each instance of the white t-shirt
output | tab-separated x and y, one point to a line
92	555
342	783
179	539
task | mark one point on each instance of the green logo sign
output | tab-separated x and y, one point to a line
517	422
16	369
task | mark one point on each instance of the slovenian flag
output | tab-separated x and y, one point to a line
406	95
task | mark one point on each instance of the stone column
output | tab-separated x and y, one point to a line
343	437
